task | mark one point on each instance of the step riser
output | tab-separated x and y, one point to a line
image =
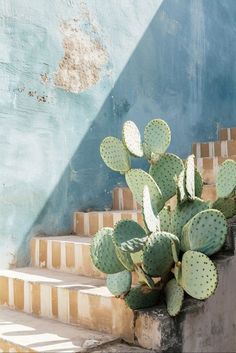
122	199
88	224
63	256
102	313
227	134
214	149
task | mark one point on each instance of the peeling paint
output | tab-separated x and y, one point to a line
83	61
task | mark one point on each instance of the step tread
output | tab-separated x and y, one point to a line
78	239
112	211
59	280
45	335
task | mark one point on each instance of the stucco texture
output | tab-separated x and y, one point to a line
71	72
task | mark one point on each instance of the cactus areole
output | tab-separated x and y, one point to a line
170	255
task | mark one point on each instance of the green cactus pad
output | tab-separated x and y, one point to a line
190	177
147	151
165	219
199	275
136	179
143	278
114	154
152	222
183	213
132	139
174	250
226	206
174	295
119	283
129	235
205	232
198	183
164	172
157	253
226	179
125	258
157	136
141	297
103	252
181	187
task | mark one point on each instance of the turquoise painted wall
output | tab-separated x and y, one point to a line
71	72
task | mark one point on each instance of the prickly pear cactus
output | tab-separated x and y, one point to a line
205	232
199	275
164	172
114	154
227	206
198	184
152	221
157	254
165	219
136	180
141	297
132	138
119	283
174	295
129	236
157	136
103	252
125	258
190	177
226	179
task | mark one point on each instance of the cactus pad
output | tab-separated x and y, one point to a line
198	183
205	232
183	213
119	283
137	257
141	297
132	139
181	187
129	235
226	178
157	253
157	136
125	258
165	219
143	278
174	295
136	180
103	252
190	177
152	222
114	154
199	275
226	206
164	172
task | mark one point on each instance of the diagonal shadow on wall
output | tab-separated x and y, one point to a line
162	78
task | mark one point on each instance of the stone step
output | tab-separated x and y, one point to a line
70	254
69	298
122	199
208	167
20	332
88	223
214	149
227	133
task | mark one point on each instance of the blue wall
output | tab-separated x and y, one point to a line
71	72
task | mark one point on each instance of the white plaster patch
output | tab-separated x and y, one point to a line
84	58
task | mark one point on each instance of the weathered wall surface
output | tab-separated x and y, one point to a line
71	71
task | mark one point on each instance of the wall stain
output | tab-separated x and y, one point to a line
83	61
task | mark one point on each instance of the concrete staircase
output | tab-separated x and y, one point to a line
62	288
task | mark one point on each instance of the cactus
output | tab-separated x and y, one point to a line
114	154
205	232
164	172
136	180
152	222
199	276
157	254
182	214
195	227
119	283
132	139
157	136
129	236
103	252
226	179
174	296
227	206
142	296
